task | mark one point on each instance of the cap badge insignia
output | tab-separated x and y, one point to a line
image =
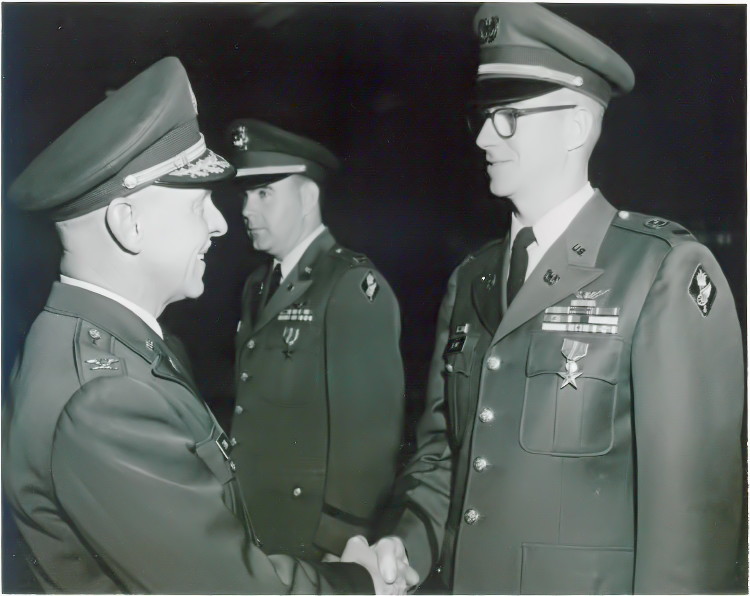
102	364
573	351
369	286
551	278
488	29
240	138
211	164
656	224
702	290
290	335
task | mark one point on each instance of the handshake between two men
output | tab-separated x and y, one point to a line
385	560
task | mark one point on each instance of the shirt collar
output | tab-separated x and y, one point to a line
141	313
555	222
290	261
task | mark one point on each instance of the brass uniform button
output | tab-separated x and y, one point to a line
471	516
486	415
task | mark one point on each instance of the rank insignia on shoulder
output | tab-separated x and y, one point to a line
702	290
369	286
656	224
102	364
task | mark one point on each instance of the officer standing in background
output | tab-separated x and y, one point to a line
318	418
584	409
118	475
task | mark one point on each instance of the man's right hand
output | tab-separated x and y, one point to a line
386	561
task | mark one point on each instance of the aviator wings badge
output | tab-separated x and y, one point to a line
573	351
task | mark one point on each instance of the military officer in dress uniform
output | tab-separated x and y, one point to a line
582	427
319	407
118	475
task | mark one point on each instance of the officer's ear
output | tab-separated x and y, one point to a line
310	194
580	125
123	225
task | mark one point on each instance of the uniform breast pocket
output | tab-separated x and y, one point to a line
459	356
570	394
292	371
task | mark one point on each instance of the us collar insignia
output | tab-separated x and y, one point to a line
240	138
489	280
578	249
369	286
102	364
573	351
702	290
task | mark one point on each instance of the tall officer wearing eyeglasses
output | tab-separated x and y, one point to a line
319	406
584	408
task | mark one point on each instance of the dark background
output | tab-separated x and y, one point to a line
385	86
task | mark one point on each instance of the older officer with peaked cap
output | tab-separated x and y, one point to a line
320	383
582	427
118	475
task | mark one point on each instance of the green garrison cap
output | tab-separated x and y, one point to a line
264	153
144	133
526	50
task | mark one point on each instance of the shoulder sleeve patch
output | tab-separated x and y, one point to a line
702	290
370	286
667	230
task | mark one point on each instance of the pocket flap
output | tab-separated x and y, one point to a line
601	361
560	569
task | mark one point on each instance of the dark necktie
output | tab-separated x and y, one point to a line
519	261
275	281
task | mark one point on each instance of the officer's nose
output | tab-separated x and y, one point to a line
487	136
217	225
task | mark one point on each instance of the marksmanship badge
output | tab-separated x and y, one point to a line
702	290
573	351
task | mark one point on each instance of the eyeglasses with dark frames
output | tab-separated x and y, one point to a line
504	120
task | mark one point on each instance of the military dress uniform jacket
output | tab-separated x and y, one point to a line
588	440
118	474
320	398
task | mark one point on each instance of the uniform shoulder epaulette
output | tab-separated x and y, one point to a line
354	259
93	353
485	248
667	230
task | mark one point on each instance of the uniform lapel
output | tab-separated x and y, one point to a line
297	282
569	270
487	289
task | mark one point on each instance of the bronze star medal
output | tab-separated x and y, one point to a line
573	351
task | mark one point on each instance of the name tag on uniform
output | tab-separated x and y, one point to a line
225	446
455	345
